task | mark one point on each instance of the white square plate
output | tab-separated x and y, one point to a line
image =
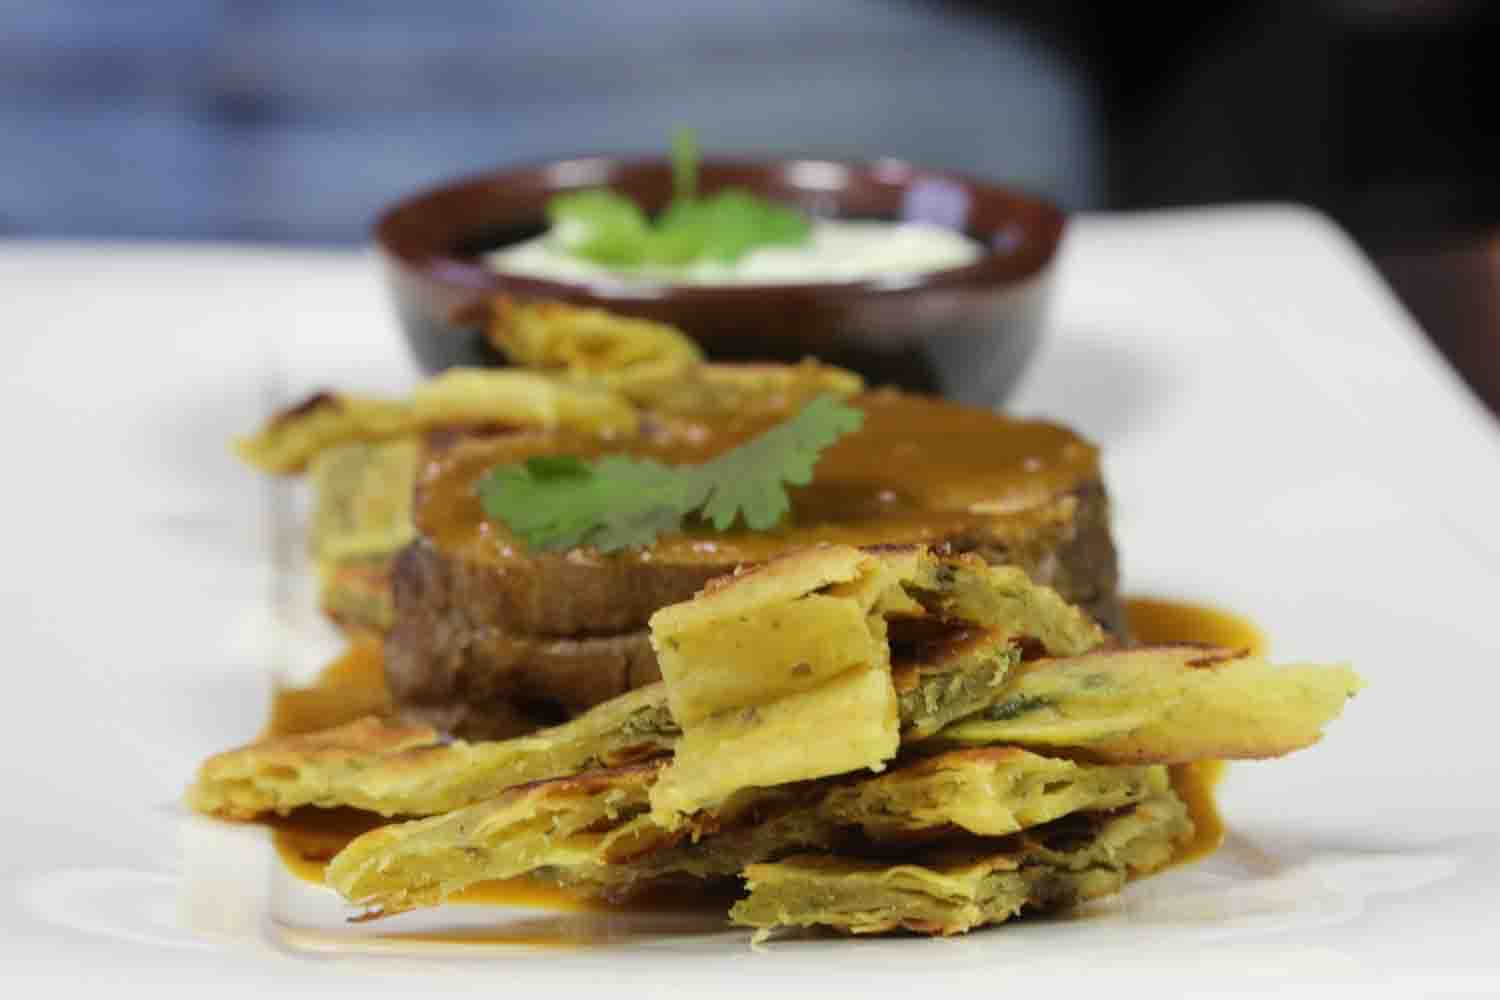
1279	439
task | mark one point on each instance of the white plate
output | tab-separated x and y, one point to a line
1280	440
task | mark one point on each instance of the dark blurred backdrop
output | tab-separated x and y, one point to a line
286	121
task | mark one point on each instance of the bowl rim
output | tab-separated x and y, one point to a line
1040	236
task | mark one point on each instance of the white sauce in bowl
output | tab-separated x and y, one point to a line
839	250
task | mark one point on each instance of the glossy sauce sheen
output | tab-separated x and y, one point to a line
308	838
349	688
920	470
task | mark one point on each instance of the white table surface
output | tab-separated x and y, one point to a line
1279	438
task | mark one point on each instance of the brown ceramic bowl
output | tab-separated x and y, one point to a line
965	331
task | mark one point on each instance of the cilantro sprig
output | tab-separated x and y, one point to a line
609	229
561	501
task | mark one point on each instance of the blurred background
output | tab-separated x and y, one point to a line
293	122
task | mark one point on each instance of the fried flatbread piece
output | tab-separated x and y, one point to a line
986	793
1149	705
592	830
654	365
362	517
557	829
848	724
363	498
374	764
990	791
459	397
1163	705
576	822
772	631
284	772
953	890
1152	705
967	589
356	594
737	389
944	676
783	673
398	770
590	345
778	674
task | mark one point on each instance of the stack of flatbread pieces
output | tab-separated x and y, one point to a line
869	739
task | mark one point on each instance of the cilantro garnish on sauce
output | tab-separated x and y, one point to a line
559	501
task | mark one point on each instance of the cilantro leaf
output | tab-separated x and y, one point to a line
611	503
599	225
750	480
734	222
609	229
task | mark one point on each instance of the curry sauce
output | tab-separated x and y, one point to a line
921	470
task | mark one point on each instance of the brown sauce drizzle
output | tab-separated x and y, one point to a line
349	688
920	470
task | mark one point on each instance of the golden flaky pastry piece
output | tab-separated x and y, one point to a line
588	345
955	889
739	389
1162	704
576	822
968	687
398	770
460	397
945	676
784	672
595	828
362	518
654	365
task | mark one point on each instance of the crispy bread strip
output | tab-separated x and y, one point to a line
361	519
284	772
953	890
556	828
708	390
589	345
1153	705
1161	705
655	365
778	674
356	594
944	677
592	830
783	673
363	492
969	590
572	822
396	770
375	764
990	791
459	397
